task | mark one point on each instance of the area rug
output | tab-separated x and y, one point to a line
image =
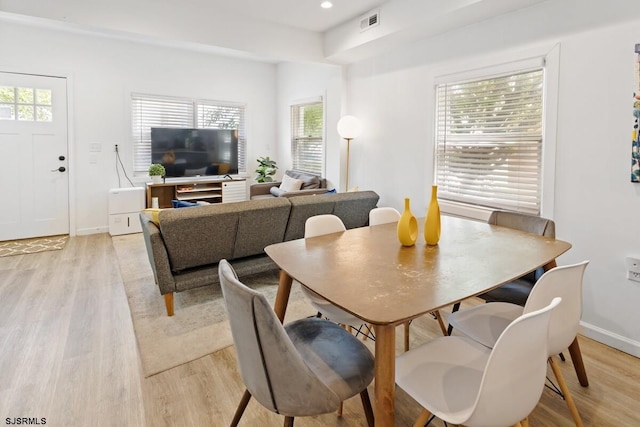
32	246
199	326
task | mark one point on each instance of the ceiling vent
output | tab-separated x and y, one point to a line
372	19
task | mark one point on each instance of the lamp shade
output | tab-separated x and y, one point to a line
349	127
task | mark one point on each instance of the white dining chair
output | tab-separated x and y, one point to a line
484	323
463	382
386	215
383	215
319	225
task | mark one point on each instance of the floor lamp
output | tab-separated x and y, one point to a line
349	128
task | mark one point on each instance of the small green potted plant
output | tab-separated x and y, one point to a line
266	169
156	172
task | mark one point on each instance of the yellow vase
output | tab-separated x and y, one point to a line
432	221
407	226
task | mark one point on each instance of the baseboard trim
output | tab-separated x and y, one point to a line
94	230
611	339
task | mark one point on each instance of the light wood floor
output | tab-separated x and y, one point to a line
68	354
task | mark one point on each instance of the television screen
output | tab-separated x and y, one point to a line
193	152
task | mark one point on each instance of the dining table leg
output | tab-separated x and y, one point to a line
578	363
282	297
385	375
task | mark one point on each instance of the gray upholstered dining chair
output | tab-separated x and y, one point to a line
516	292
293	370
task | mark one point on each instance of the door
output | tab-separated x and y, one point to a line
33	153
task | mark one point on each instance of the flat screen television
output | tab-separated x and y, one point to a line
195	152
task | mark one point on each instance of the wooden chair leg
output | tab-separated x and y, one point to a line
340	408
422	418
241	407
369	327
406	336
525	422
288	421
578	364
168	303
366	405
441	323
565	391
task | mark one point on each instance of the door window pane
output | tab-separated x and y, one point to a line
43	114
25	112
43	96
31	104
25	95
7	94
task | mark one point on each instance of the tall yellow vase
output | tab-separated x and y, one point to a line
432	221
407	226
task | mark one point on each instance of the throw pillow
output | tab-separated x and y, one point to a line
290	184
152	214
182	204
276	191
309	181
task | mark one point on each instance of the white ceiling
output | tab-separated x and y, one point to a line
303	14
267	30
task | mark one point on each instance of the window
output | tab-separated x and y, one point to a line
25	104
307	137
155	111
489	136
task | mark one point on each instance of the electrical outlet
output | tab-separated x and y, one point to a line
633	275
633	268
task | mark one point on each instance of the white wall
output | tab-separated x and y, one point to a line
595	204
296	82
104	72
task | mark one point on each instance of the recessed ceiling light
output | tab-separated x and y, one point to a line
326	4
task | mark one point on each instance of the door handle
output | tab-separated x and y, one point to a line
60	169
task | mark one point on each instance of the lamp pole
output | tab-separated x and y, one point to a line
347	174
349	128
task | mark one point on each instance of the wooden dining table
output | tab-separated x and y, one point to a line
368	273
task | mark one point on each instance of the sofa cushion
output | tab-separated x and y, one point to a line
260	224
309	181
353	207
290	184
303	207
200	235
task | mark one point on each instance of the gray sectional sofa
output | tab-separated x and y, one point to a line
186	244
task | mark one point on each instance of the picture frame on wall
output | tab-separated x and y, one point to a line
635	135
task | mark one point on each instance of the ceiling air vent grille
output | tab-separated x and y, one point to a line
371	19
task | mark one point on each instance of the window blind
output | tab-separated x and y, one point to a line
489	141
149	111
307	133
217	115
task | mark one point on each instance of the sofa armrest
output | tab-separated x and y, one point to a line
158	257
262	188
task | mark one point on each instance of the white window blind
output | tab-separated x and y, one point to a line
156	111
489	141
307	137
